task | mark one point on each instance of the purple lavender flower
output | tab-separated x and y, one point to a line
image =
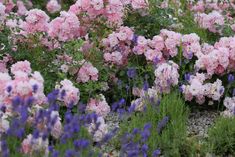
16	102
221	90
3	145
156	61
62	94
162	124
134	39
71	104
146	132
144	149
55	154
52	97
35	133
181	88
3	108
9	89
135	131
35	88
121	102
156	153
158	102
121	112
146	86
132	153
115	106
147	126
20	133
70	153
4	148
187	76
81	144
131	73
68	117
131	109
190	55
29	101
230	78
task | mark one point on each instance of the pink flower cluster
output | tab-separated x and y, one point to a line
202	6
166	45
142	44
22	10
139	4
3	63
198	89
87	72
136	4
2	12
118	46
191	45
53	6
216	61
211	21
64	28
214	15
36	21
112	10
229	103
172	42
100	132
23	84
218	58
69	94
32	145
166	76
9	5
98	105
228	42
20	4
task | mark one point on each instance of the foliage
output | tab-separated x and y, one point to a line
221	140
173	139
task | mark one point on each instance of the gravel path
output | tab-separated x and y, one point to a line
200	121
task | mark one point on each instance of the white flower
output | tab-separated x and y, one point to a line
4	123
64	68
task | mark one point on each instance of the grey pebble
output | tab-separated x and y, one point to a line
199	122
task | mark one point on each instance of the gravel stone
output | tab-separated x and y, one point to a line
199	122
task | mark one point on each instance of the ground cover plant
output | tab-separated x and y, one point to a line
114	78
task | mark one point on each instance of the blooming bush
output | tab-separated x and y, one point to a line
24	84
69	94
53	6
166	75
99	106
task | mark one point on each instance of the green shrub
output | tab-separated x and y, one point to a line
173	139
221	140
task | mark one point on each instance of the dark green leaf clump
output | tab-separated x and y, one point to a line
221	140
